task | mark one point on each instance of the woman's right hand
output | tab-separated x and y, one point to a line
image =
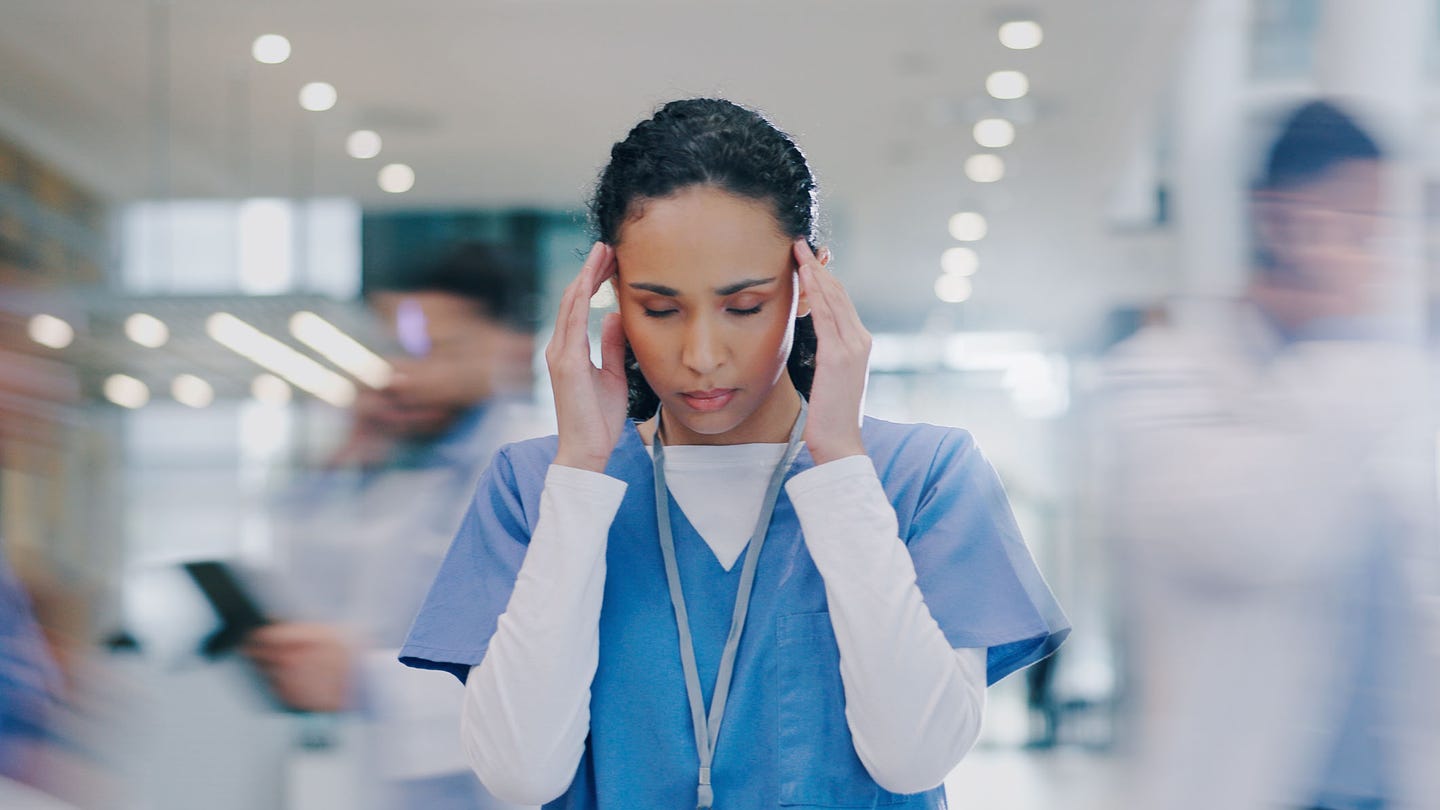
590	403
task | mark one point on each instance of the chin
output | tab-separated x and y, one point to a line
709	424
715	423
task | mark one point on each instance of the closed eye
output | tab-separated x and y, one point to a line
658	313
755	310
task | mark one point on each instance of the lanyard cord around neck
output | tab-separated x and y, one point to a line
707	732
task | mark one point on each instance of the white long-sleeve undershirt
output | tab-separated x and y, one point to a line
914	705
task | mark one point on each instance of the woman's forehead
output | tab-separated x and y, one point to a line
702	237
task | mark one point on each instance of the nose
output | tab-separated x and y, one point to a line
701	350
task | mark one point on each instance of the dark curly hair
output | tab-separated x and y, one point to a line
712	142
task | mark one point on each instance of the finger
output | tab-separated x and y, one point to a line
803	254
612	345
800	250
562	320
593	258
564	316
266	659
578	318
605	269
279	634
577	327
835	298
577	331
807	259
260	655
821	314
843	319
841	305
598	267
261	636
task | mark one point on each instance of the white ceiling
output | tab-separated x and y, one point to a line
517	103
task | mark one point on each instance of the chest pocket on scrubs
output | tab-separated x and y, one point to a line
818	763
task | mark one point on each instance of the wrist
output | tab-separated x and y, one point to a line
828	453
582	461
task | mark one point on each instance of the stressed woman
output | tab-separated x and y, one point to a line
720	584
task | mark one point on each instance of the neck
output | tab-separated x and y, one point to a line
770	423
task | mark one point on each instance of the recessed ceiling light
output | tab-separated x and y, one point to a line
994	133
960	261
318	96
1007	84
397	178
968	226
984	168
270	49
363	144
953	289
1021	35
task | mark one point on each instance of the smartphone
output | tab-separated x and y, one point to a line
240	614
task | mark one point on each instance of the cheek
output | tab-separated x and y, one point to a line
641	334
768	341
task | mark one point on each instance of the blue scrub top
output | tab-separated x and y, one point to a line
785	741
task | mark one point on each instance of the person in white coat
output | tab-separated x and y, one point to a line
366	537
1273	498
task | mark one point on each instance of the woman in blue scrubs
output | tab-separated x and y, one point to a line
720	584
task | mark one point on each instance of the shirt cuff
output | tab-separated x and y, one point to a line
599	489
830	474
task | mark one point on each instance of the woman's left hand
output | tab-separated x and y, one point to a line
842	363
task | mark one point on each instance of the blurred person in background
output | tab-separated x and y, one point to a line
32	686
367	536
28	681
1274	502
28	677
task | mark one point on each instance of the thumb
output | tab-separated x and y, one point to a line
612	345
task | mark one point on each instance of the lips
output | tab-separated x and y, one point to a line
711	400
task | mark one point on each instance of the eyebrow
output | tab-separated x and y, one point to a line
728	289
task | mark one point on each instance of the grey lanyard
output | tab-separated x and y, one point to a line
708	732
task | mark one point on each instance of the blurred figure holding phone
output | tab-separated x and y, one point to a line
366	536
